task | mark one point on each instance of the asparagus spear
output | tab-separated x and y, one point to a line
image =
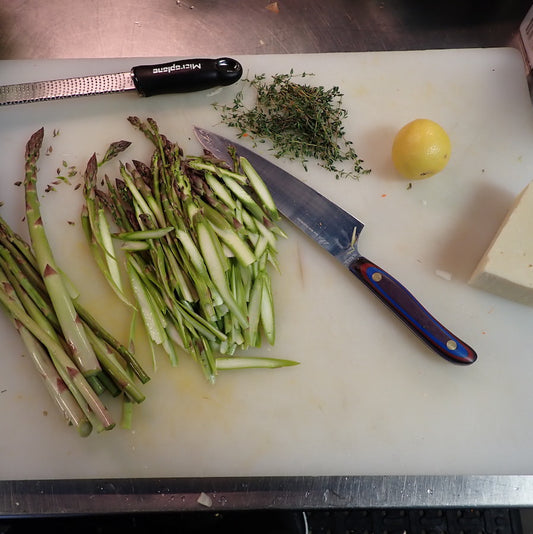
79	346
55	385
94	409
23	267
44	309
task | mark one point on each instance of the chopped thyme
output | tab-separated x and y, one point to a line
301	121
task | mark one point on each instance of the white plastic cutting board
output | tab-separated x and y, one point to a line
368	397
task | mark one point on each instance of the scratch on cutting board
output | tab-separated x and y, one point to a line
300	265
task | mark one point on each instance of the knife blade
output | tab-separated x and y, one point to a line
181	76
337	231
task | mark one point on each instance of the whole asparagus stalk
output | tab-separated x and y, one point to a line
34	299
36	302
22	263
34	294
54	383
91	405
80	348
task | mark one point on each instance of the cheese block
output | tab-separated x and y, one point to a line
506	268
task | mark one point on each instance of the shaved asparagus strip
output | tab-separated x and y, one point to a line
142	235
110	255
106	336
208	246
98	257
242	362
196	163
260	188
98	234
241	193
153	319
117	372
220	191
203	234
254	311
267	310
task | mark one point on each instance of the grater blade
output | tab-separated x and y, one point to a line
22	93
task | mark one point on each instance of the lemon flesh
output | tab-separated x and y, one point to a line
421	149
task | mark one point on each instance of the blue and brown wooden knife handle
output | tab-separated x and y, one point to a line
402	302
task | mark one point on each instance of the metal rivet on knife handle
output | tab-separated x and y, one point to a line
451	344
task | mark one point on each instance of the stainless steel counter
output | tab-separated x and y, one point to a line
61	497
33	29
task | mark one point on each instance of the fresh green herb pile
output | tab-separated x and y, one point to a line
197	238
301	122
77	359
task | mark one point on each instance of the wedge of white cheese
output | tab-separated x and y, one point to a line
506	268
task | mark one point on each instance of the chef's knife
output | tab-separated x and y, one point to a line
182	76
337	231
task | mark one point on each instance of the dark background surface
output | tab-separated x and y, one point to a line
31	29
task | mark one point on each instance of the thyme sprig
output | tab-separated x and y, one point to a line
301	121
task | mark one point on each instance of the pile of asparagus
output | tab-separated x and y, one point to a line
77	358
196	238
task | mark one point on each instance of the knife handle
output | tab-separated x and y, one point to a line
185	76
399	299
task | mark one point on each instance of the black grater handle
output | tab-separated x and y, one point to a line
185	76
